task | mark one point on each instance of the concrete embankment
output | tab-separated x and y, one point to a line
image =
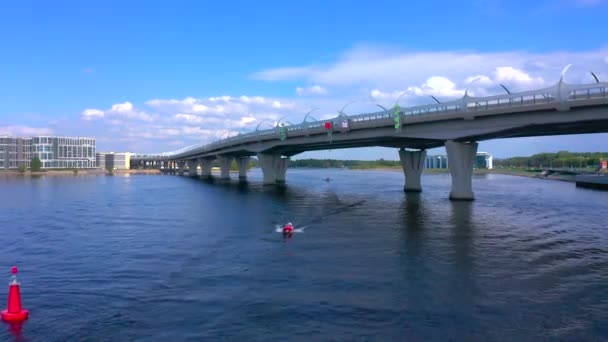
592	181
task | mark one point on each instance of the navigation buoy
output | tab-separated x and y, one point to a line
14	313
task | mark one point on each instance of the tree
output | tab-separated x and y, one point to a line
35	164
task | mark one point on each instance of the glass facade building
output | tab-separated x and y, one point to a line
53	152
483	160
114	160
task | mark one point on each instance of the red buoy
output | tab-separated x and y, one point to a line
14	313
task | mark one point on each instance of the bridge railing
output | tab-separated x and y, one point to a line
561	94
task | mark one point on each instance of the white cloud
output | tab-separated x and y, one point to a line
190	118
366	74
380	68
512	75
437	85
118	113
24	131
92	114
482	80
312	90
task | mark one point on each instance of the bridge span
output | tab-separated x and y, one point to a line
458	125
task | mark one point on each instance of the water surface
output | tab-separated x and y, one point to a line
145	258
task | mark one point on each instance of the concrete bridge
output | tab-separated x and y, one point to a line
458	125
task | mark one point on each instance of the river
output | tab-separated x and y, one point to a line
168	258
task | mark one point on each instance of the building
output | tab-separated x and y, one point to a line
100	160
54	152
113	160
15	152
483	160
436	162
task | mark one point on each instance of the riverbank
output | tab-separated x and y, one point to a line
511	172
76	172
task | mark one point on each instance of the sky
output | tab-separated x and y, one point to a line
156	76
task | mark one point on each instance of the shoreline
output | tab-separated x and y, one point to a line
520	173
76	172
101	172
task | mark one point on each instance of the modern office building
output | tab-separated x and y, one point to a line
483	160
436	162
100	159
15	152
114	160
54	152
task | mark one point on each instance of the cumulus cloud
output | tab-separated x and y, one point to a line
437	85
118	113
312	90
190	119
511	74
92	114
380	68
24	131
366	74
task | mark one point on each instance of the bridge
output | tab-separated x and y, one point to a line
458	125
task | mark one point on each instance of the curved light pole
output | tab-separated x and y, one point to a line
466	91
257	128
386	110
561	77
341	111
400	97
308	114
597	80
396	102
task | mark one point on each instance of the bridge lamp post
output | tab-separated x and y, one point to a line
305	123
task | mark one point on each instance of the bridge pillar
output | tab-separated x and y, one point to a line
192	164
273	167
225	162
206	165
461	157
180	167
243	163
413	165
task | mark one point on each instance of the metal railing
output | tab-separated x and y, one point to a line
561	95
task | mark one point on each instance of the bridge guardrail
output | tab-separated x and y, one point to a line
561	94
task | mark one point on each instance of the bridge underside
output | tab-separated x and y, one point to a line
459	133
536	130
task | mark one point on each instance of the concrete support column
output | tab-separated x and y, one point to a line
192	164
206	165
273	167
413	165
243	163
461	157
225	162
180	167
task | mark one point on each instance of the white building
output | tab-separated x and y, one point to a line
54	152
114	160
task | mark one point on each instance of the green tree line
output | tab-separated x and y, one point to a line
351	164
561	159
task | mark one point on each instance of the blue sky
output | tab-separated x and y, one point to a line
152	76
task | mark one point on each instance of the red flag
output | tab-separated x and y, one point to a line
328	125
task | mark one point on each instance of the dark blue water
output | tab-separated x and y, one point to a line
168	258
